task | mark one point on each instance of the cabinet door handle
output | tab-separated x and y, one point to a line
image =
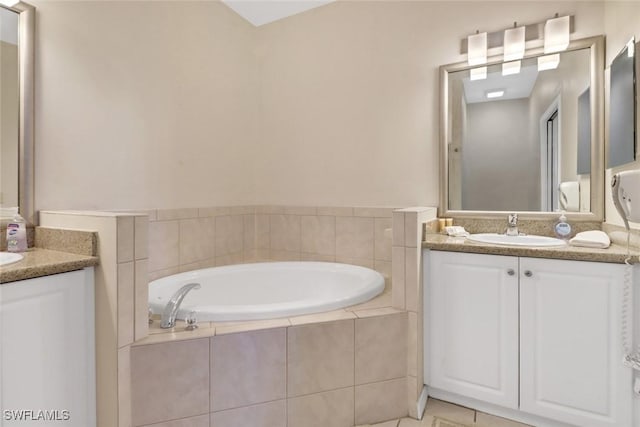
511	272
528	273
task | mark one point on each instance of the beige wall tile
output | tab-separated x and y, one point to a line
125	238
328	316
243	210
355	261
272	414
263	232
354	237
164	248
382	300
230	259
375	312
152	214
205	263
384	268
412	344
320	357
214	211
285	232
335	210
411	230
199	421
249	230
169	381
317	257
269	209
124	386
329	409
373	212
248	368
229	235
398	228
174	214
412	396
141	302
381	348
126	285
223	328
278	255
382	243
197	239
141	237
449	411
318	234
398	277
381	401
299	210
412	275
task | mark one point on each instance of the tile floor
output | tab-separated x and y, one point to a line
443	414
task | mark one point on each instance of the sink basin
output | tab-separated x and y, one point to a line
529	240
9	258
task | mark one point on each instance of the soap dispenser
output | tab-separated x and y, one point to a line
562	227
16	233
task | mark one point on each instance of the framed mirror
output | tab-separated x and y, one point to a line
622	108
17	31
529	142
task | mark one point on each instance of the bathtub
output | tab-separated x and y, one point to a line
267	290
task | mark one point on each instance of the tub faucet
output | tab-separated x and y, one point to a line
171	309
512	225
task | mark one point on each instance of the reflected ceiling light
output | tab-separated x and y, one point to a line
479	73
509	68
548	62
477	49
556	34
514	43
495	94
9	3
631	47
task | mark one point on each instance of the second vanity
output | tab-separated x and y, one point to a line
529	334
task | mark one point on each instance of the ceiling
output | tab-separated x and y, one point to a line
514	86
260	12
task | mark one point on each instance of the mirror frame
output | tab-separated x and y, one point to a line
26	60
597	46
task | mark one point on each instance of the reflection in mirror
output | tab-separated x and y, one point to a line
519	142
622	114
9	107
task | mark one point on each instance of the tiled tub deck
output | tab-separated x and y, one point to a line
340	368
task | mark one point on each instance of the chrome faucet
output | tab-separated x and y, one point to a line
512	225
171	309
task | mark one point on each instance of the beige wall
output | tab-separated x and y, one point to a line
143	104
9	106
622	21
179	104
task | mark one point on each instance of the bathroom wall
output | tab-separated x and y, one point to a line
621	19
143	104
350	95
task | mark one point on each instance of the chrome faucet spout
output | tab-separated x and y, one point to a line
171	309
512	225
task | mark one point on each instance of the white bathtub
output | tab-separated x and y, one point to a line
268	290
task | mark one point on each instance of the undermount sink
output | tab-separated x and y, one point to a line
9	258
523	240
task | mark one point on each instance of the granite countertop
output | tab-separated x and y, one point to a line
614	254
43	262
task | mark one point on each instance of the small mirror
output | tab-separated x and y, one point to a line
622	111
525	140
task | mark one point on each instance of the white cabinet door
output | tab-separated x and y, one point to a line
47	351
472	304
570	345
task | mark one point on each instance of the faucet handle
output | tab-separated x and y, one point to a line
513	219
192	321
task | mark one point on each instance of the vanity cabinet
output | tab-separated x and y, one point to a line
47	351
538	336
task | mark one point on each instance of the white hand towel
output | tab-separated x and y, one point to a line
591	239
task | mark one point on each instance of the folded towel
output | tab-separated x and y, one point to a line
591	239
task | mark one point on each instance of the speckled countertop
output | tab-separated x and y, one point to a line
613	254
58	251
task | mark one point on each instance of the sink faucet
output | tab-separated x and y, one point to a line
171	309
512	226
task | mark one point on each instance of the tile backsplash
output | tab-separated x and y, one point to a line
189	239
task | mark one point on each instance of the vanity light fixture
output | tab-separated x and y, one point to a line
495	94
509	68
548	62
514	43
477	49
479	73
9	3
556	34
